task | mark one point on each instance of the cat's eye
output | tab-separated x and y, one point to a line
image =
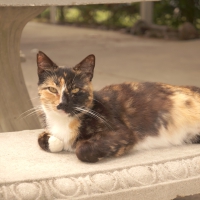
75	90
52	89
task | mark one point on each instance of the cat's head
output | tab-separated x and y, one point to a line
63	89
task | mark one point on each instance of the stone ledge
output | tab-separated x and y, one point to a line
27	172
61	2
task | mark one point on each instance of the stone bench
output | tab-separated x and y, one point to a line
29	173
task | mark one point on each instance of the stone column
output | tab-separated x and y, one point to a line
14	98
53	14
146	11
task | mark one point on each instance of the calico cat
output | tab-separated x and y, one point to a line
110	122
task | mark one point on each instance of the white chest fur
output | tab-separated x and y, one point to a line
58	125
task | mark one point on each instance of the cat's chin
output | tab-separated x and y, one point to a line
55	112
62	112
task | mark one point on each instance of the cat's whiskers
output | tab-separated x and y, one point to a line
32	111
98	102
34	98
101	117
35	110
76	115
38	112
94	114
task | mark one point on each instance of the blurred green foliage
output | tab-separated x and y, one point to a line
175	12
108	15
45	15
166	12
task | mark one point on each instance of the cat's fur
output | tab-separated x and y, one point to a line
110	122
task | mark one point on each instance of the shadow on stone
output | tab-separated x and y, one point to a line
192	197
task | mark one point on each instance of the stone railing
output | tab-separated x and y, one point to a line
27	172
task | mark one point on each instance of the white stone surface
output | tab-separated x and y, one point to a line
62	2
27	172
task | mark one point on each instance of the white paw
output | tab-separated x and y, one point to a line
55	145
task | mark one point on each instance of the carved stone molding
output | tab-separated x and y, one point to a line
91	185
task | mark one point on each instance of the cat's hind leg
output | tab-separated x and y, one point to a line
50	143
101	145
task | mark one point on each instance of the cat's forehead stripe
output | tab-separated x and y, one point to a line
65	74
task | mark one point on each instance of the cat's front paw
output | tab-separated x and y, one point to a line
50	143
55	145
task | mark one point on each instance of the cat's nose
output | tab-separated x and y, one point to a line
61	106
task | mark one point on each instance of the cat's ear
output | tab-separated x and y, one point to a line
86	66
44	63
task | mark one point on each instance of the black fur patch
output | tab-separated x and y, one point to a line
43	141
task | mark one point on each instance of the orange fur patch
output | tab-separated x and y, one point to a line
74	126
